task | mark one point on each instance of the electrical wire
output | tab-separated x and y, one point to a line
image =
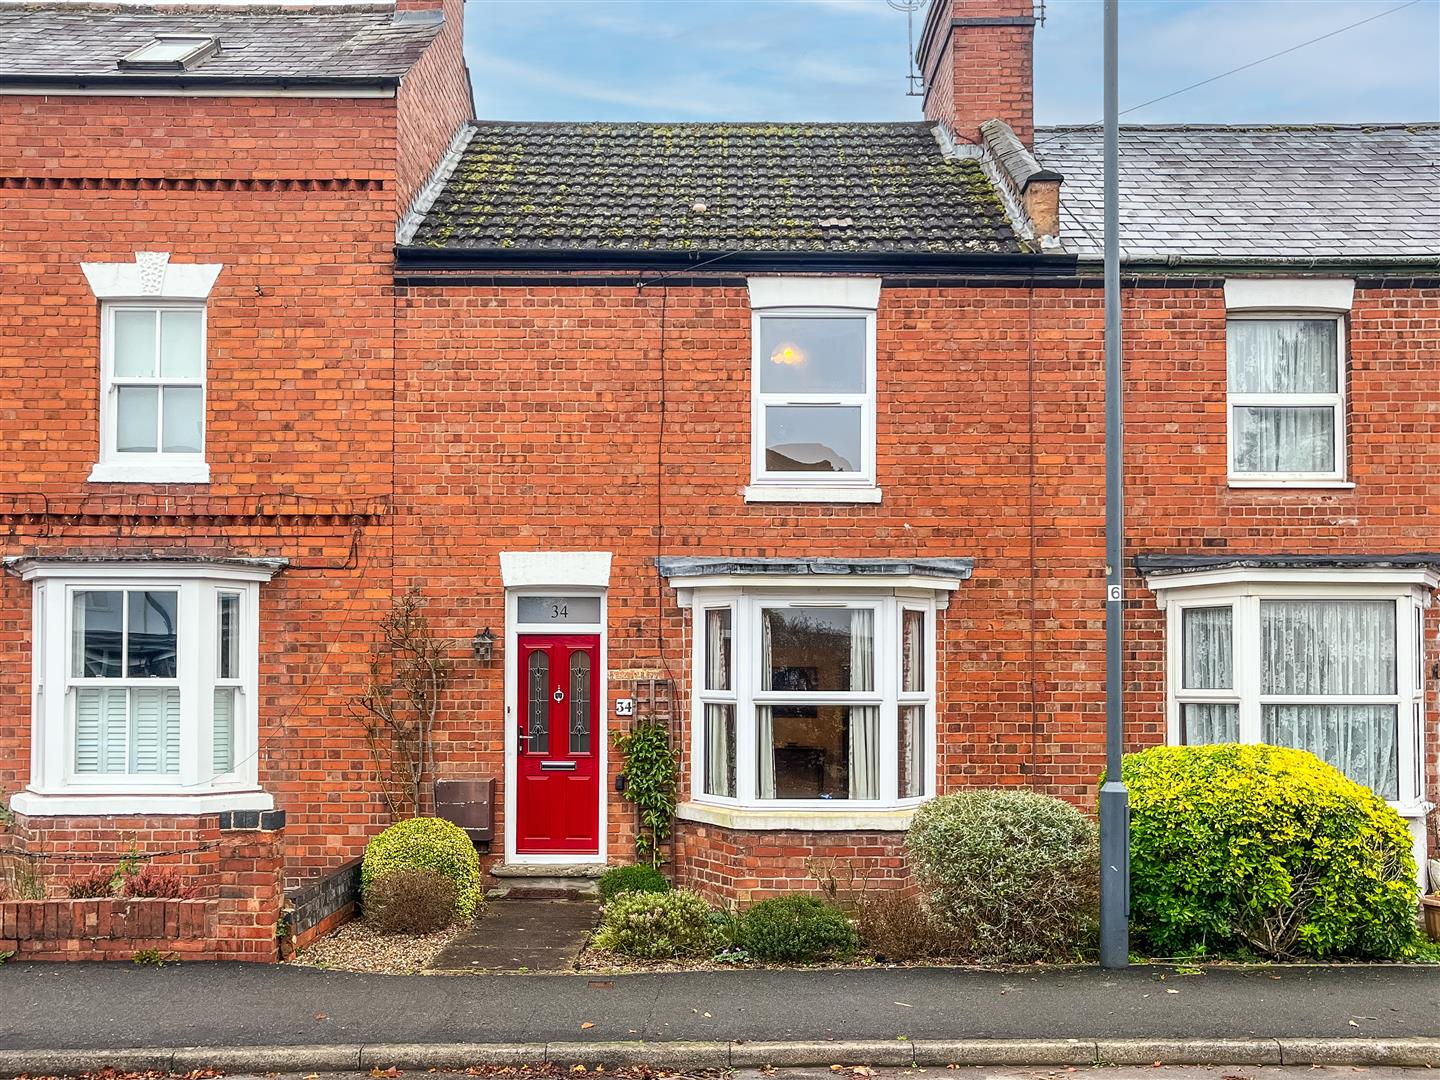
1232	71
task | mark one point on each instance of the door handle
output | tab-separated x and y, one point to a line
557	766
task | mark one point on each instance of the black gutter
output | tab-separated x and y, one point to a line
188	81
414	257
1427	266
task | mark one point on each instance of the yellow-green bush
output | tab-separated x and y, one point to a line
1266	849
659	926
427	844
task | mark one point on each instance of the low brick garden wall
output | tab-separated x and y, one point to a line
234	862
111	929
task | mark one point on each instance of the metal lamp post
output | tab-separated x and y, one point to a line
1114	798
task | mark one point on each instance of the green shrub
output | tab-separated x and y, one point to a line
658	926
639	878
426	844
795	929
1266	849
1013	874
411	902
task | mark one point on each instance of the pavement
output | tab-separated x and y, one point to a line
281	1018
522	935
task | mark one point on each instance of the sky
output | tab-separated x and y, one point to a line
702	60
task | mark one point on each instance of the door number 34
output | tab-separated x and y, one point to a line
624	706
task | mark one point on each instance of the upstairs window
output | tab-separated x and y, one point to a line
1286	398
813	390
815	403
154	377
153	360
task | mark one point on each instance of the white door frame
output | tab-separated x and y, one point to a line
546	574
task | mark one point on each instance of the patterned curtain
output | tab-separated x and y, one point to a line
864	719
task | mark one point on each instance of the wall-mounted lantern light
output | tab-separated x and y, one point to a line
484	643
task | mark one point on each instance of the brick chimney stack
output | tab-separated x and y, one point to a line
978	61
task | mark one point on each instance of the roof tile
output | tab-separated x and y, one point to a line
715	187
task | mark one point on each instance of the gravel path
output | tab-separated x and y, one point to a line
358	946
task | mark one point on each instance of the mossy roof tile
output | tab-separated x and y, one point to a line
722	187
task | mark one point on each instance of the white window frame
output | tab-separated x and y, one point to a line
1334	401
1292	298
160	462
151	281
55	786
1244	591
746	605
813	298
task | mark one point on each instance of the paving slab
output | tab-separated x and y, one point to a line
522	935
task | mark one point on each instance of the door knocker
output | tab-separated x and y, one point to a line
559	695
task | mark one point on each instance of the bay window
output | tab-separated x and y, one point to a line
813	699
144	684
1329	664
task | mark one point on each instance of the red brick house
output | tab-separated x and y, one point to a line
788	433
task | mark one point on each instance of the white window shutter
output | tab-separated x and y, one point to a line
88	730
223	753
155	727
171	740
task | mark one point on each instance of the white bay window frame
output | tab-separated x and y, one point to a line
56	785
1244	591
746	607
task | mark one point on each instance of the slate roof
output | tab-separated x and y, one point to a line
714	187
73	43
1279	192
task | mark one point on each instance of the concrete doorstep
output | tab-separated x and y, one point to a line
689	1056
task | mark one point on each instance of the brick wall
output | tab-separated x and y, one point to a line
741	867
434	99
534	423
236	874
295	197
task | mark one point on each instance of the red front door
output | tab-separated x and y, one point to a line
557	792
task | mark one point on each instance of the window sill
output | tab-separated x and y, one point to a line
1245	482
36	804
116	472
764	493
797	820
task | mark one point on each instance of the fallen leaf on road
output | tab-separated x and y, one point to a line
322	1016
906	1004
1172	991
586	1025
1352	1023
707	1014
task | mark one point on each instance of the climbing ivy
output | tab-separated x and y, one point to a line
650	783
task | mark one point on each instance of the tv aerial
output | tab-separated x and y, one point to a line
915	79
